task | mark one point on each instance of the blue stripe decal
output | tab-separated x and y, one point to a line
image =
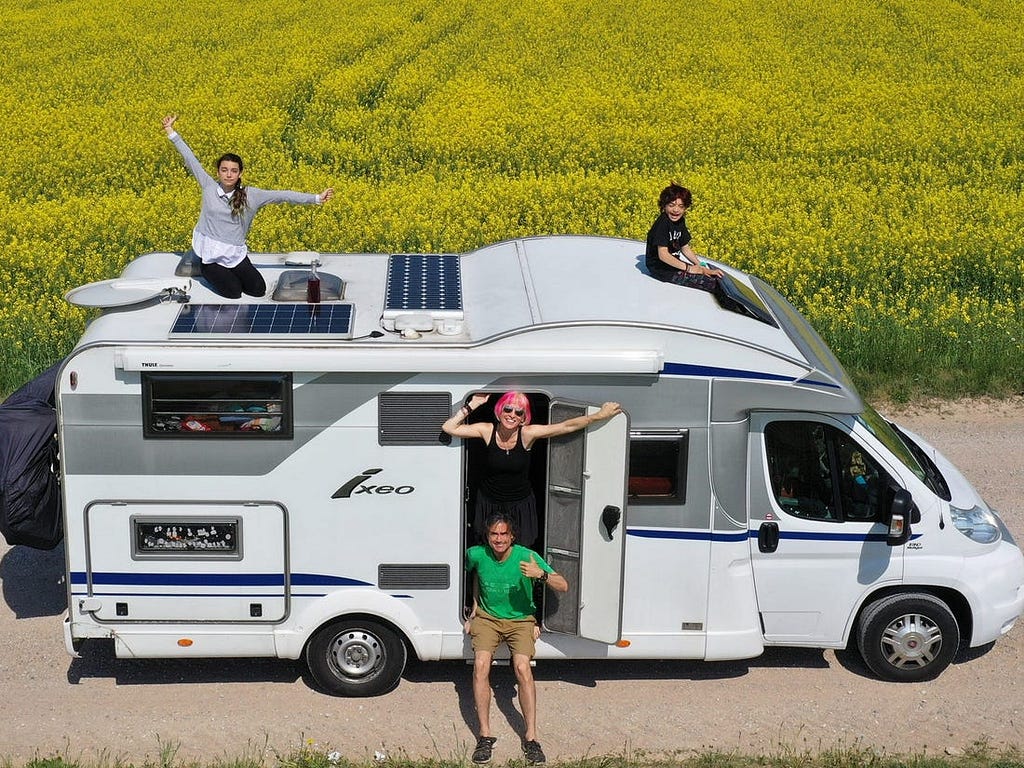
809	536
320	580
736	537
190	595
183	579
215	579
686	535
685	369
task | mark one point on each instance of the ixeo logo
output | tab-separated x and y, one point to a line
360	484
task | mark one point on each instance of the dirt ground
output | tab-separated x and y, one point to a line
99	707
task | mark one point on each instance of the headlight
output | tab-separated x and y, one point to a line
977	524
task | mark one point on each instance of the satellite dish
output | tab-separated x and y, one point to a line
122	292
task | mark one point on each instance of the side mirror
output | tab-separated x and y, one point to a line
900	515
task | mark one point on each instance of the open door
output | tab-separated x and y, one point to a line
585	528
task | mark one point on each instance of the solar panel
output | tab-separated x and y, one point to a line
431	282
265	321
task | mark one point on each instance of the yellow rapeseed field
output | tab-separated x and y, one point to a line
867	158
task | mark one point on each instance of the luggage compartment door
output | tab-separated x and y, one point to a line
585	530
186	561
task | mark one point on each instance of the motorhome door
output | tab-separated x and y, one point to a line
585	528
817	504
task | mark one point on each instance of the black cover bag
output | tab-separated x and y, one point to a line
30	499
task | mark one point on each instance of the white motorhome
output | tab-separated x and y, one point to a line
267	477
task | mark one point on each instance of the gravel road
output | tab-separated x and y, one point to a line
786	700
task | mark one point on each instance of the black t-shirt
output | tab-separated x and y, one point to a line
672	235
507	476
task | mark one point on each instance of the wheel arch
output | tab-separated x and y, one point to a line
956	601
410	648
383	608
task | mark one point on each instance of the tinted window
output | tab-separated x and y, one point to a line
819	472
657	468
207	405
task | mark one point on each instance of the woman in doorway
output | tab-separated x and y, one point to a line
505	484
225	216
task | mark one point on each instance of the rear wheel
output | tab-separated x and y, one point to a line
356	657
908	638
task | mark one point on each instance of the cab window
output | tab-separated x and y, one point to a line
819	472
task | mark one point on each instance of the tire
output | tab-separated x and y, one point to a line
356	657
908	638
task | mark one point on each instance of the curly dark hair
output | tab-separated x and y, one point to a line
674	192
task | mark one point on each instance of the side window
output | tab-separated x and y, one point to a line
657	467
798	466
202	406
818	472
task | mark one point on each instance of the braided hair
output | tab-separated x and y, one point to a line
238	199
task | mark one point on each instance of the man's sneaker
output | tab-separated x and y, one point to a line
482	753
534	754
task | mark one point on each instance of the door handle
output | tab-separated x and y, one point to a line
610	518
768	537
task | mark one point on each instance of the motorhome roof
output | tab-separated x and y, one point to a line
556	304
505	288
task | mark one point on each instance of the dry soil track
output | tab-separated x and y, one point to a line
103	707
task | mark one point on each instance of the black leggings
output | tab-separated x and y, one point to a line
232	282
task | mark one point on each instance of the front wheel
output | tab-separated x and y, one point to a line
356	657
908	638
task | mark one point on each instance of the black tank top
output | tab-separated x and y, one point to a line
506	473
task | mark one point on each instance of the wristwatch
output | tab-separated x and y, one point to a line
544	577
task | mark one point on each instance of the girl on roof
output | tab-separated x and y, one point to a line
225	216
505	484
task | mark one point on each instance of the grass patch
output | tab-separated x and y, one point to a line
314	755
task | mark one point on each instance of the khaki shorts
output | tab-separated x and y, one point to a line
488	633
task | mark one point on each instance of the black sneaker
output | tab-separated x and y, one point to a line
534	754
482	753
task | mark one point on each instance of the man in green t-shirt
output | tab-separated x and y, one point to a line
503	612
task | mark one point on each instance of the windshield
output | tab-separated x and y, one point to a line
934	477
881	429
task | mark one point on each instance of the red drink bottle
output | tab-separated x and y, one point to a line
313	286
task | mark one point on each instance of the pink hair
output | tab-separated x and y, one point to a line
516	400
